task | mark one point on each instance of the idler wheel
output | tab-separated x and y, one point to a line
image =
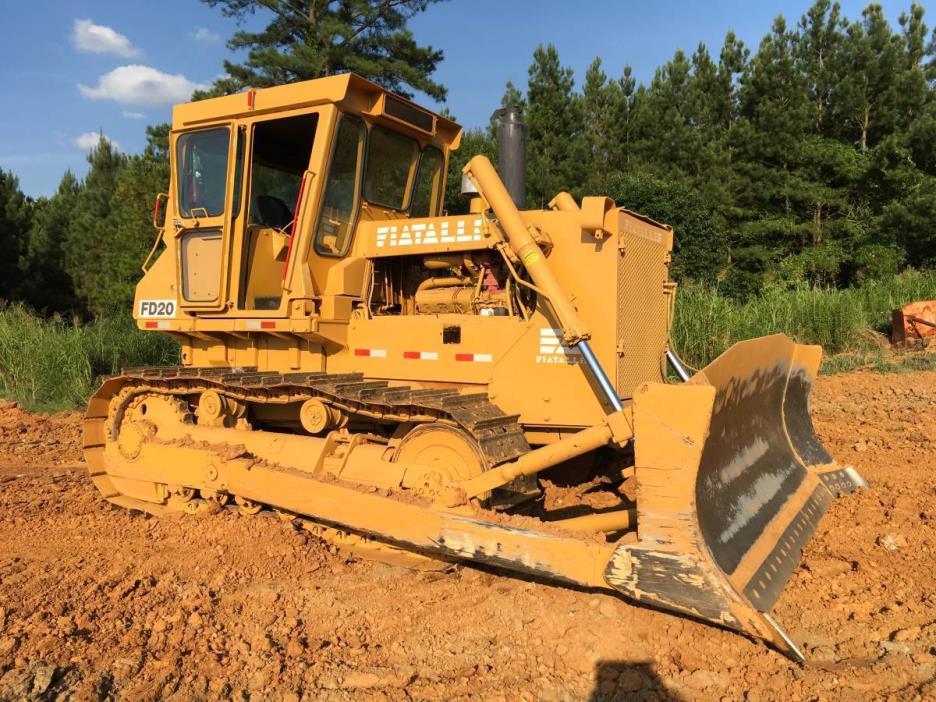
440	455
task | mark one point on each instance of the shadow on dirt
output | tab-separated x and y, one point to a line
624	681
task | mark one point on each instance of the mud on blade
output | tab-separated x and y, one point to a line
732	482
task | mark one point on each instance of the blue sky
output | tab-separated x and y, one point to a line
72	69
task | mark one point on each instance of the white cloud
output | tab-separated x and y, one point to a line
98	39
133	115
206	35
143	86
90	140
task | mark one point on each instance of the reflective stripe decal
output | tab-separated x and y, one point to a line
475	357
371	353
421	355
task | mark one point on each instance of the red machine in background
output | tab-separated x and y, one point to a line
914	324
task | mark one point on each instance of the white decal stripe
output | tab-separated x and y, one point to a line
553	349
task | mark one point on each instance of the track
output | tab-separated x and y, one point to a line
499	436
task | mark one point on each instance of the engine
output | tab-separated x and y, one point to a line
475	283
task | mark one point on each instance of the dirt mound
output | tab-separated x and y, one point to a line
97	603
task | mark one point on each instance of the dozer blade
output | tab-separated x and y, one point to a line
731	483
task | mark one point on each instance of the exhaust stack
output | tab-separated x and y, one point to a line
511	149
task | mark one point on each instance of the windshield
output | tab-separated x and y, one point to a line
333	233
428	184
202	158
391	160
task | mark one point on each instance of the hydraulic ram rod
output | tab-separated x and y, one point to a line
530	463
680	369
524	246
481	172
603	382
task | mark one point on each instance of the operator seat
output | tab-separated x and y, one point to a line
273	212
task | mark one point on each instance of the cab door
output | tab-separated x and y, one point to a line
203	219
278	167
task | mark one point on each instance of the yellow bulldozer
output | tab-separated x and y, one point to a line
495	386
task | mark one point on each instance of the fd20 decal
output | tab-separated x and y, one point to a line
157	308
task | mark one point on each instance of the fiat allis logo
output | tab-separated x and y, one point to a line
420	233
552	349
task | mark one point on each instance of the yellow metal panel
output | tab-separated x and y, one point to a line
201	255
350	91
642	301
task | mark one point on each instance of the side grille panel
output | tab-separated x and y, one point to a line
642	302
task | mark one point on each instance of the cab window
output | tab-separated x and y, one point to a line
391	160
202	172
339	206
428	184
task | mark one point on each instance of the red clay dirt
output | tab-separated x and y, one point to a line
97	603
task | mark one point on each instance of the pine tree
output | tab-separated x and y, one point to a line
305	39
774	117
819	56
828	170
91	233
912	88
15	219
48	287
553	116
600	106
906	224
868	92
144	176
624	120
512	96
721	183
669	141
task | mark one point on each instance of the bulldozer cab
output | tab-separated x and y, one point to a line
268	187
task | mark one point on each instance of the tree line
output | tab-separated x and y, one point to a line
79	251
808	160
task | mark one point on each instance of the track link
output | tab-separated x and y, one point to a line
499	435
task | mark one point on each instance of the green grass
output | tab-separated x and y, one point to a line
880	361
847	322
55	364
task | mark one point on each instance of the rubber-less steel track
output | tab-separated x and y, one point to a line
498	435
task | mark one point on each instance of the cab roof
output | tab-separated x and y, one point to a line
348	90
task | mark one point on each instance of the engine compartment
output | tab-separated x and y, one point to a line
471	283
